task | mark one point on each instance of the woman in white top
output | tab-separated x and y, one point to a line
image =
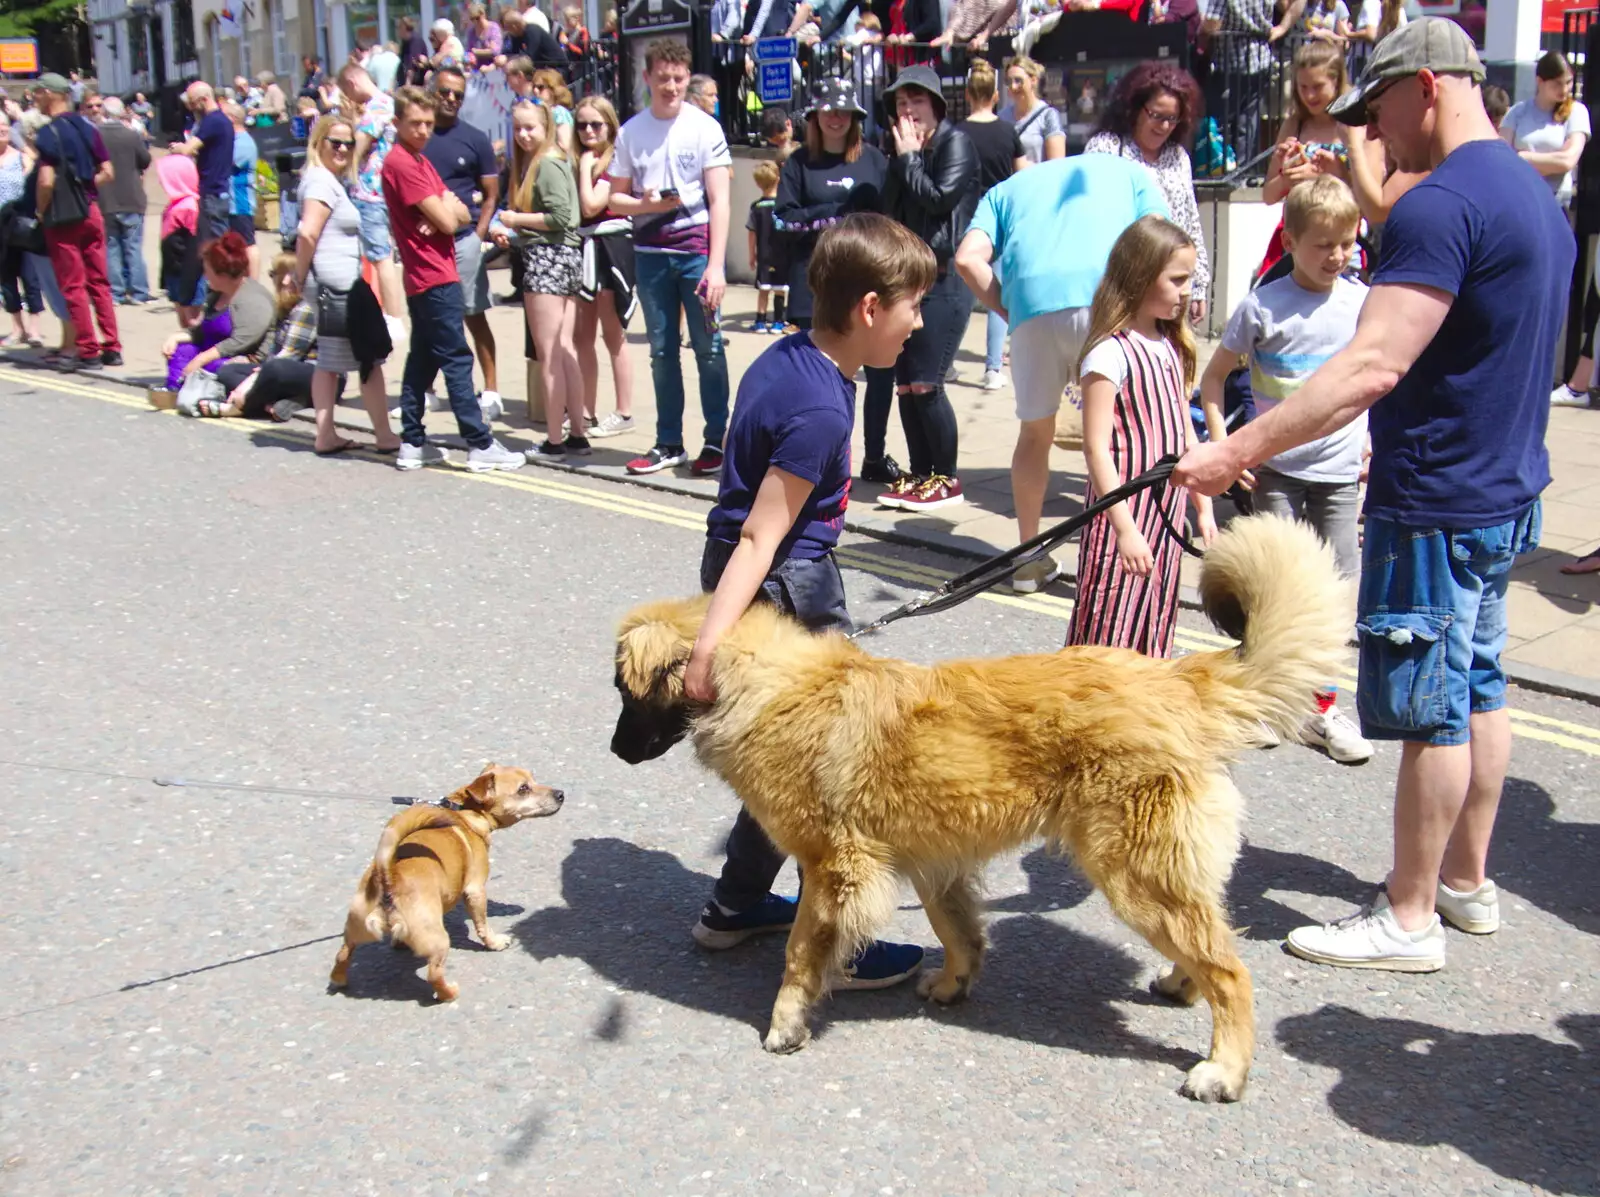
1038	123
1551	129
329	247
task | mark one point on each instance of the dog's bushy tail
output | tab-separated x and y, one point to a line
1273	584
385	919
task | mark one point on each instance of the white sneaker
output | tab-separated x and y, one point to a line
438	402
1336	734
1035	576
1476	912
491	405
993	380
495	456
414	457
1565	396
952	375
612	425
1371	938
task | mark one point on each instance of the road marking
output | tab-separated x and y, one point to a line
1577	737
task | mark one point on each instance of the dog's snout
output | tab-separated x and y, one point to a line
558	796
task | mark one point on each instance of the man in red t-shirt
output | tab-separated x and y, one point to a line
424	216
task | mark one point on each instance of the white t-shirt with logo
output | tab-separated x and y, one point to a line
657	155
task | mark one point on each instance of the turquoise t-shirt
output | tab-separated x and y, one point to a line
242	183
1053	226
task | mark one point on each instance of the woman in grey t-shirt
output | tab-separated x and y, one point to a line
329	247
1038	123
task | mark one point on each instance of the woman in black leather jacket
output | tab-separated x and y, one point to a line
932	189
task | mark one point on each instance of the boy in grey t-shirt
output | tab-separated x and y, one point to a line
1287	329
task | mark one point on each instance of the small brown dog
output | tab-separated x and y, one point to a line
431	857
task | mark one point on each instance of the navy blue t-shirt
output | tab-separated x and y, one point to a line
1459	442
794	411
215	159
463	155
80	142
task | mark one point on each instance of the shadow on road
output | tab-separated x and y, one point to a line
1543	859
1520	1105
627	916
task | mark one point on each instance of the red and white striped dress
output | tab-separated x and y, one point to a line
1151	419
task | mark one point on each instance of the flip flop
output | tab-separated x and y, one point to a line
389	452
1587	564
341	447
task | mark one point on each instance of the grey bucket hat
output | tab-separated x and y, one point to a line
834	95
1426	44
924	78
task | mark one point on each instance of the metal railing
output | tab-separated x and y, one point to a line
1575	26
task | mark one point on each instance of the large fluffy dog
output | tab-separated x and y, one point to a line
869	770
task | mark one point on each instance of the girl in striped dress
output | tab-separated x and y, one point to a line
1136	372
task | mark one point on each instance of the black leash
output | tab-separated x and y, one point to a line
997	569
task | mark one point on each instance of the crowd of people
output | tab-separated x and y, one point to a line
1412	204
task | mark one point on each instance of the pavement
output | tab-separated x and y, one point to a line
207	601
1554	642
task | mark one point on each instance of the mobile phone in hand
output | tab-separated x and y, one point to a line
670	193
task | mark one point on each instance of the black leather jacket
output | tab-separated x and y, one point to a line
934	193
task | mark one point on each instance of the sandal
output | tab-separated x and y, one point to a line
55	357
341	447
1589	563
213	409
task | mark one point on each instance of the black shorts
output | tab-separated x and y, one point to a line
245	226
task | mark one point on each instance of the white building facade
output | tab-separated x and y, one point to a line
141	45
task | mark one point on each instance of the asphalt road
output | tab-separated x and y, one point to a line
185	600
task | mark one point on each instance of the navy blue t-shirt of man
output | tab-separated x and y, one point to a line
794	411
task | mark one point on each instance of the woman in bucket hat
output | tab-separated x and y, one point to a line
932	189
833	172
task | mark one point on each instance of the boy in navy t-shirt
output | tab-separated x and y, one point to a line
780	508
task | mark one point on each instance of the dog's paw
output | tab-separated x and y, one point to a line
496	942
1176	986
1209	1081
447	991
781	1041
943	987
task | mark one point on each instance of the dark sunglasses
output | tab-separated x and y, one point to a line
445	93
595	125
340	143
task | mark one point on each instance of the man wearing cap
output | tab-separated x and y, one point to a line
1452	354
69	144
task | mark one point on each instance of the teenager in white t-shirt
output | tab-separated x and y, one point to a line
671	174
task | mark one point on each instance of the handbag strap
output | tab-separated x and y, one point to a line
66	159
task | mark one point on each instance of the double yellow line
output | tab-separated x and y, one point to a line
1574	736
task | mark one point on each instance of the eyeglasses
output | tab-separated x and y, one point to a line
340	143
592	126
449	93
1163	120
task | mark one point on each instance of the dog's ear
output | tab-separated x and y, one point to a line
650	661
476	793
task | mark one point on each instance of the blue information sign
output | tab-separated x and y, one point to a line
771	49
776	82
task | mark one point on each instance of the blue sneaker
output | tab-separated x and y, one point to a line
717	930
758	326
880	965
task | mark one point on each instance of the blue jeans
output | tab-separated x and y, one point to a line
19	282
665	285
288	221
1432	623
125	257
994	346
812	590
45	274
439	343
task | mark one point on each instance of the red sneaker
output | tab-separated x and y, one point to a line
662	457
707	464
897	491
933	494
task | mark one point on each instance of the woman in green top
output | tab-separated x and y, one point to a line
544	215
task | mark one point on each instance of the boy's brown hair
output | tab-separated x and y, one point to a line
408	98
863	253
766	176
1324	200
1496	103
668	51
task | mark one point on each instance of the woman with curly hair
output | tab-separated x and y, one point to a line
1149	118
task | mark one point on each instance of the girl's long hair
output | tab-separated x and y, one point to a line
1389	17
525	166
1551	67
602	108
1317	56
1136	262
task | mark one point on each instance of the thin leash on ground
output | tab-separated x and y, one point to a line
994	570
242	786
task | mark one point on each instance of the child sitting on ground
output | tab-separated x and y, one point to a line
780	507
1288	328
766	253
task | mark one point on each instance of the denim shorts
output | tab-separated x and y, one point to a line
1432	623
376	243
809	588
